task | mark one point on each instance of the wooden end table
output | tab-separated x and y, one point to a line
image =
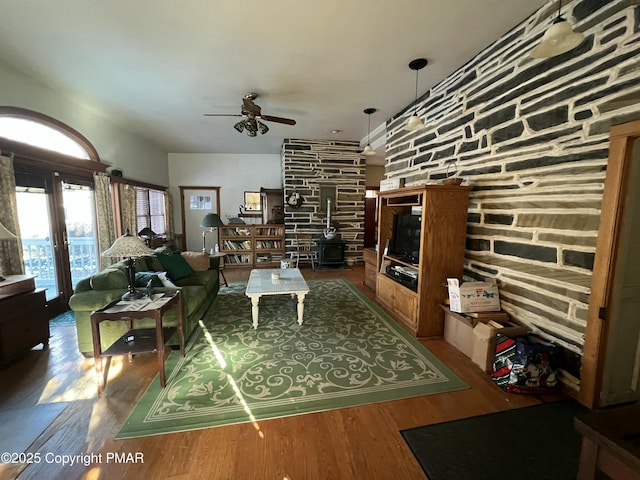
136	340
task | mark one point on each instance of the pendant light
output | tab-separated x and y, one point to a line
415	123
559	38
368	150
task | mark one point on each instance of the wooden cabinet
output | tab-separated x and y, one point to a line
369	256
23	318
256	246
412	289
399	299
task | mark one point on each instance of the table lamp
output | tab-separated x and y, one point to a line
129	246
5	235
210	221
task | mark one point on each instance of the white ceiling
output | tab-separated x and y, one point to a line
156	66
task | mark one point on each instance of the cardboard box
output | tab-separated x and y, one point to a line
473	296
484	340
391	184
458	331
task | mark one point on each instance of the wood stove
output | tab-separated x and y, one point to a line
331	252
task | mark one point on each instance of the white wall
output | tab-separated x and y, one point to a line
138	158
233	173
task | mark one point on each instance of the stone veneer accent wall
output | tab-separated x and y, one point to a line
531	136
308	165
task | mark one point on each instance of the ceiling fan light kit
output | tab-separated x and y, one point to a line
415	122
252	114
368	150
558	39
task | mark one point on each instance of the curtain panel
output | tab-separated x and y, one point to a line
168	215
104	216
128	208
10	250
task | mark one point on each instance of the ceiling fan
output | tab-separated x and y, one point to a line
252	114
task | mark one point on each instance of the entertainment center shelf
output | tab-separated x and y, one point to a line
431	222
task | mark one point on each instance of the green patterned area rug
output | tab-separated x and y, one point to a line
348	352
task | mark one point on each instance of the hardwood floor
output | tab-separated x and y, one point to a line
352	443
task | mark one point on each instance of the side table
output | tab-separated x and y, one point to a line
136	340
221	256
610	443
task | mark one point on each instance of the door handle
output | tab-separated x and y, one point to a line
64	239
55	240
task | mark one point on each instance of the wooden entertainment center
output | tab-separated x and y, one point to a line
415	288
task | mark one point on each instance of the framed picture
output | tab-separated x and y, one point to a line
252	202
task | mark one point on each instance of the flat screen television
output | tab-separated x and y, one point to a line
405	243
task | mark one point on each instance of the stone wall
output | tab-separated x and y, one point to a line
531	136
309	165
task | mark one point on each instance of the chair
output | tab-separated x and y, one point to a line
304	250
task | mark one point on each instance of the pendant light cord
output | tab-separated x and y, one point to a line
369	131
415	103
559	8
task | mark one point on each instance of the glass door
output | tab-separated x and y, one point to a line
57	226
79	233
36	230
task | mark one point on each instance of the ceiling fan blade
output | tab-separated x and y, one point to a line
269	118
222	115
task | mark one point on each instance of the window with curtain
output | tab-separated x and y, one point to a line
150	210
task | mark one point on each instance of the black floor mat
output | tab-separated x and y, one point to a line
532	443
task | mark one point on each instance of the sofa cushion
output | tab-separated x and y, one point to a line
140	264
142	278
192	298
154	264
109	279
163	250
199	261
93	300
198	278
175	265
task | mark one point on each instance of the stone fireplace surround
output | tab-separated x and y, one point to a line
309	165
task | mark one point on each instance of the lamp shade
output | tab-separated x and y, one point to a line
211	220
127	246
5	234
368	150
414	123
559	38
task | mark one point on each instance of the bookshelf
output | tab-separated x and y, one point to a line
255	246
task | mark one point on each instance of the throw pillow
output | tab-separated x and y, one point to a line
142	278
175	265
165	281
199	261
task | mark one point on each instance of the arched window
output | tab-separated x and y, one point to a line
34	134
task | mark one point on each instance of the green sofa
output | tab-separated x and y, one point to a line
198	289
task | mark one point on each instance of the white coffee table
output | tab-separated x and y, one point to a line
261	283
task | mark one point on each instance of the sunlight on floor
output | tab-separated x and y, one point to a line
232	382
84	388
